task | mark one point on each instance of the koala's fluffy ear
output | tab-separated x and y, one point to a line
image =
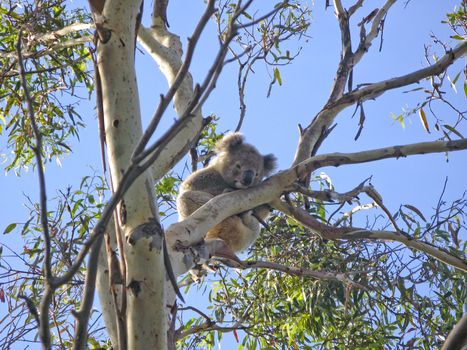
269	163
229	142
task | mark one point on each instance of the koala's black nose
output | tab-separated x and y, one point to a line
248	177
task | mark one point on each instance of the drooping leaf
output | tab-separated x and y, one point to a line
415	210
277	76
450	128
9	228
422	115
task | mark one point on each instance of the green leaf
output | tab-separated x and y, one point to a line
456	78
450	128
277	76
416	210
453	81
247	15
9	228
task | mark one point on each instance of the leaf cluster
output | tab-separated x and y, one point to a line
73	216
56	70
408	299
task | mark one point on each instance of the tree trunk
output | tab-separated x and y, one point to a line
146	323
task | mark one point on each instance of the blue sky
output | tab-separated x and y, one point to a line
271	123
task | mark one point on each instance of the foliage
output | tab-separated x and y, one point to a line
409	299
400	298
56	74
75	213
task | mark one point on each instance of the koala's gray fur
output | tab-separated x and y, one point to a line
238	165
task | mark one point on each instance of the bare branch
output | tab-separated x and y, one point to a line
312	135
37	149
52	48
182	72
207	326
376	89
301	272
332	196
72	28
366	40
355	7
349	214
44	328
159	13
337	159
82	316
344	68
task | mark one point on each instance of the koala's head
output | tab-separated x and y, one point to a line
240	164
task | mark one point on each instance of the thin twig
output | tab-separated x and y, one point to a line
44	328
37	149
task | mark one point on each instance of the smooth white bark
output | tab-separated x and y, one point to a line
145	278
166	50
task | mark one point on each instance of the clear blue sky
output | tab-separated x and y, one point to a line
271	123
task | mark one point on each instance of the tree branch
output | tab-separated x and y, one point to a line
37	149
355	7
337	159
177	81
332	196
344	67
457	338
82	316
72	28
352	233
376	89
190	232
44	328
301	272
313	133
366	40
209	325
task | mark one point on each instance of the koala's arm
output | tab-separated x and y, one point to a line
189	201
262	211
198	189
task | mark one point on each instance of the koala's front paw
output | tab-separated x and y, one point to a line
248	219
263	211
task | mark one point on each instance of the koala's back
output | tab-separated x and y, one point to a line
206	180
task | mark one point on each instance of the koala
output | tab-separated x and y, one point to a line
238	165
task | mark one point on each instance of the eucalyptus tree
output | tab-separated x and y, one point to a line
319	276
